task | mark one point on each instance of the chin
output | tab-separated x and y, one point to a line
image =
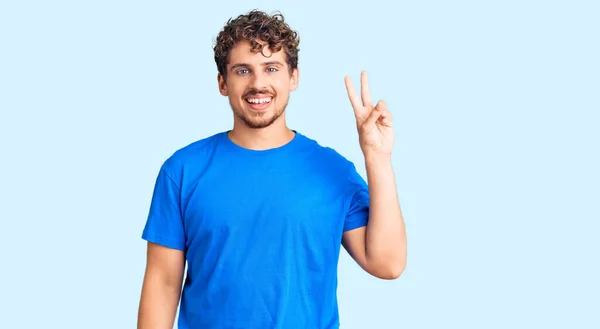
258	120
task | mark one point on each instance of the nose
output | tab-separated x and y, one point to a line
258	81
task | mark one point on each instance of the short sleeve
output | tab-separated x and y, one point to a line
358	201
164	224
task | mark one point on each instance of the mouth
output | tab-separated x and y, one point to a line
258	103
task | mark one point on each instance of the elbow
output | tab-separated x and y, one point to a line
391	271
387	264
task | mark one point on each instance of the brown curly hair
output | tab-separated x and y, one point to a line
271	29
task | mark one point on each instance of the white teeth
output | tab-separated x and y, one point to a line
259	100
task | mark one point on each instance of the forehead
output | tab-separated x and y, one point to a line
241	53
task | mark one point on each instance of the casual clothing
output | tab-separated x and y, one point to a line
261	231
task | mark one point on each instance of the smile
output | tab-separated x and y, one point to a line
259	100
259	103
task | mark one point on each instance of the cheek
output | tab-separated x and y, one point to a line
236	92
281	86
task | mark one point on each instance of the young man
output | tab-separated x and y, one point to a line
260	212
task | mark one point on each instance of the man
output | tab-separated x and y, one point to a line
260	212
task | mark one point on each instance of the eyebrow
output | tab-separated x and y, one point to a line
234	66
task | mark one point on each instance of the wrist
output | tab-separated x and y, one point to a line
377	159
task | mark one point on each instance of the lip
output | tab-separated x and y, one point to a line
258	106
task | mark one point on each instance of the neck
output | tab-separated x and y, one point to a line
275	135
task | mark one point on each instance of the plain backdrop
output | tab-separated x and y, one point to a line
496	120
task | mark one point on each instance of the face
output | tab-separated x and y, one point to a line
258	84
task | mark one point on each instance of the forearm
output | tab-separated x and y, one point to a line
158	304
386	235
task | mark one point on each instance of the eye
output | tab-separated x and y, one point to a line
272	69
242	71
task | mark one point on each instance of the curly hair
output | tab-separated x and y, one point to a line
254	25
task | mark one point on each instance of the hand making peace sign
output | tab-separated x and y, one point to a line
374	123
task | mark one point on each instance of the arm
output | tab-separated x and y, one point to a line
161	289
380	247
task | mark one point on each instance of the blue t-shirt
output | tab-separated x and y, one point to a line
261	231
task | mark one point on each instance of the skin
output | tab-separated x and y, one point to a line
161	289
379	248
266	73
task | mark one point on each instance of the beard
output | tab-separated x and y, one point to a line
259	120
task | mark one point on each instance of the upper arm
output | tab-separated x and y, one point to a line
355	242
354	237
165	265
161	289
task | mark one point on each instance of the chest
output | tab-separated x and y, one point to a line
267	202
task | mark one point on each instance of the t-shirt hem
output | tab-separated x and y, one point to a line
169	243
356	221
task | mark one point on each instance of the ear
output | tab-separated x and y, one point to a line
222	84
295	76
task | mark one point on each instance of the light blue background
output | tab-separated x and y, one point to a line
496	116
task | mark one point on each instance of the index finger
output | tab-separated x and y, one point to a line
352	94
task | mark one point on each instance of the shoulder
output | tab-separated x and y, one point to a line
332	167
328	156
193	153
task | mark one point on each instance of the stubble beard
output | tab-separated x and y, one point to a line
259	120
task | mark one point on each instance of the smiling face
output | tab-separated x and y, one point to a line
258	85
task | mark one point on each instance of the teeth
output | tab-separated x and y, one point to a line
259	100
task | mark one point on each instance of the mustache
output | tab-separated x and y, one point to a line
253	92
